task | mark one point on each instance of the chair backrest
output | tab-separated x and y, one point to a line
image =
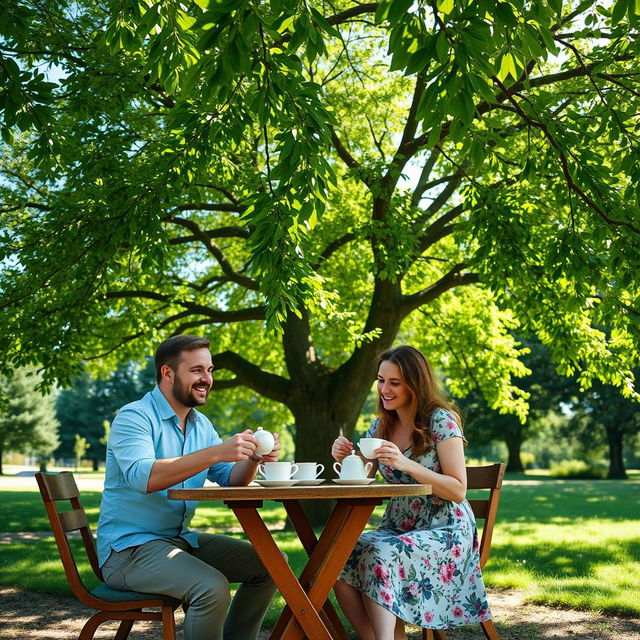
489	477
61	490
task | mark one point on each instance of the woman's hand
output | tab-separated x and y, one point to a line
341	448
275	452
390	455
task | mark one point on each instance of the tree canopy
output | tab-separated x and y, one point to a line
343	172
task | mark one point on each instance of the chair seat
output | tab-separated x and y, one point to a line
105	592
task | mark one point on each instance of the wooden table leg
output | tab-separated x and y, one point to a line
308	538
301	606
329	556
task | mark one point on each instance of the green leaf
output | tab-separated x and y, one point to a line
445	6
398	10
619	10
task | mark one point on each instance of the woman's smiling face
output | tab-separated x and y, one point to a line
393	391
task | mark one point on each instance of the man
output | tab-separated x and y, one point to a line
144	543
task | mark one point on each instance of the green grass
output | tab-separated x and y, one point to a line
573	543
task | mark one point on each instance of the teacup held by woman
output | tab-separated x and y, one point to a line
368	446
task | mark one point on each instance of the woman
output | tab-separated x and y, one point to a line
422	565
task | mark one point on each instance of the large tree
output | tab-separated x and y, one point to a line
27	418
340	172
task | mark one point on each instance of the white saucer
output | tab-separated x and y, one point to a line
354	481
276	483
310	483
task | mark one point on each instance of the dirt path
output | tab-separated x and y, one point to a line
29	616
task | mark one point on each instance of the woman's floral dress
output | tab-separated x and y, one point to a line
423	562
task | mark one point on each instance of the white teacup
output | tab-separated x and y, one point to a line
278	470
368	446
308	470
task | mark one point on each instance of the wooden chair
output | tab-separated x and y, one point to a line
112	604
489	477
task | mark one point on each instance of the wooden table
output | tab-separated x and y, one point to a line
308	612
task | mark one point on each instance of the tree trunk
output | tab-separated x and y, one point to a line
514	443
95	464
1	453
319	421
316	429
616	460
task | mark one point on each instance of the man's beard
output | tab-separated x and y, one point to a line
185	395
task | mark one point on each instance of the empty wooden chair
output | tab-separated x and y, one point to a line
126	606
489	477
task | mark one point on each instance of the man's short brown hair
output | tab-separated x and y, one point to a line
169	351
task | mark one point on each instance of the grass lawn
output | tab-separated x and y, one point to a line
573	543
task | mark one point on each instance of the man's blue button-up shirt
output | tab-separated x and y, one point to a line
141	433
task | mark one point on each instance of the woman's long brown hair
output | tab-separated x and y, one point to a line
426	397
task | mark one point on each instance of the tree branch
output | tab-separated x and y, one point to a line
424	177
450	280
214	250
343	153
352	12
565	164
250	375
400	157
26	205
211	206
440	228
333	247
220	232
215	315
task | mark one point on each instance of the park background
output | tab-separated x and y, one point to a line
306	184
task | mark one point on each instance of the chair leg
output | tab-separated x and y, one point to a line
90	626
489	629
124	629
433	634
168	623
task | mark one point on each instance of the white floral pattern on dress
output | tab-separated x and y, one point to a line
422	563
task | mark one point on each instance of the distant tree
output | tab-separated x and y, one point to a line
90	402
80	449
601	413
27	419
545	389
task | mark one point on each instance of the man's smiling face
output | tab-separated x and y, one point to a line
192	379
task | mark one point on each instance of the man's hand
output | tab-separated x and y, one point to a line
238	447
275	452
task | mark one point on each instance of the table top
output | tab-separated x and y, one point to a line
327	491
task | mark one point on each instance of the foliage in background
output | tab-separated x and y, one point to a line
27	420
588	424
90	402
545	389
601	417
